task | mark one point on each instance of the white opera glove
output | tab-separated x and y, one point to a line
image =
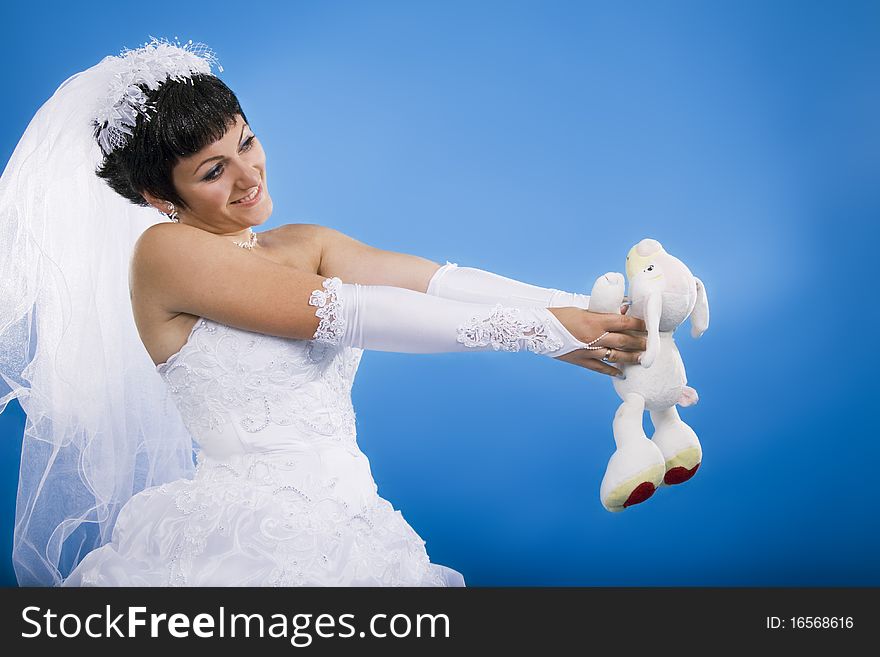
479	286
385	318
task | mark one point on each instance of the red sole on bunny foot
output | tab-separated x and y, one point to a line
642	492
633	490
679	475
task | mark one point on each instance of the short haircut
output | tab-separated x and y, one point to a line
187	116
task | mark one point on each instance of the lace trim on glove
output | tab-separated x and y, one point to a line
331	329
503	329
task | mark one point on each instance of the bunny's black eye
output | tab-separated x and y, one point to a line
650	267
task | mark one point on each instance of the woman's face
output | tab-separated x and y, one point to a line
224	184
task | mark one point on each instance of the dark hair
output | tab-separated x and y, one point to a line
187	116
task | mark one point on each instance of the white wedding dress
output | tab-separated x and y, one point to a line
282	494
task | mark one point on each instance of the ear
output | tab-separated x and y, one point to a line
158	203
700	313
653	310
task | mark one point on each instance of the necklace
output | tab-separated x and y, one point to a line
249	243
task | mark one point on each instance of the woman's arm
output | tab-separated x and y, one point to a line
479	286
357	262
189	270
386	318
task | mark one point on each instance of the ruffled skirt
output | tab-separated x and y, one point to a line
255	524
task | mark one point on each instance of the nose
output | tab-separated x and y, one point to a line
248	176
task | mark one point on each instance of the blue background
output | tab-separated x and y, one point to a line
541	141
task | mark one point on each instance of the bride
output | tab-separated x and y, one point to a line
206	435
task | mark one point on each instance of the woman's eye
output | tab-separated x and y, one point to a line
216	171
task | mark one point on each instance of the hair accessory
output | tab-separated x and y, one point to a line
150	65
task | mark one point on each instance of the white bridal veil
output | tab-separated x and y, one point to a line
100	427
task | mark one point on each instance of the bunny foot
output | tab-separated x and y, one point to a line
633	474
679	444
637	467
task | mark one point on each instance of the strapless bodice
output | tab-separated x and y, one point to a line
251	398
243	392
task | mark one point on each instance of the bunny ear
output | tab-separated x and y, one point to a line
700	313
653	310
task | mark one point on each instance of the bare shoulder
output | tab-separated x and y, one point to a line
180	273
154	261
311	236
294	245
159	245
163	236
301	231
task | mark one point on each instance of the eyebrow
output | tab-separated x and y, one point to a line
219	157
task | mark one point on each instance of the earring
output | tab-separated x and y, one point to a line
172	213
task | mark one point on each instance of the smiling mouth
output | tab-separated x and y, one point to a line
250	198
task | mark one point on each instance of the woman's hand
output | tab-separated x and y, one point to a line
587	325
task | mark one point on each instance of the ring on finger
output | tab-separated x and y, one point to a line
607	356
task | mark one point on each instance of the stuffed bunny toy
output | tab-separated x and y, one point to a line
663	293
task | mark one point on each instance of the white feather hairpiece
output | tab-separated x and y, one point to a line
152	64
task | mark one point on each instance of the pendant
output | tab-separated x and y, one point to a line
250	243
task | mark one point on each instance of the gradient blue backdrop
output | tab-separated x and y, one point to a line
540	141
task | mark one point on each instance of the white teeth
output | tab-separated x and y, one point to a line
249	197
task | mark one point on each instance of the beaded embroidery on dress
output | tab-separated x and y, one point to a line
282	494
